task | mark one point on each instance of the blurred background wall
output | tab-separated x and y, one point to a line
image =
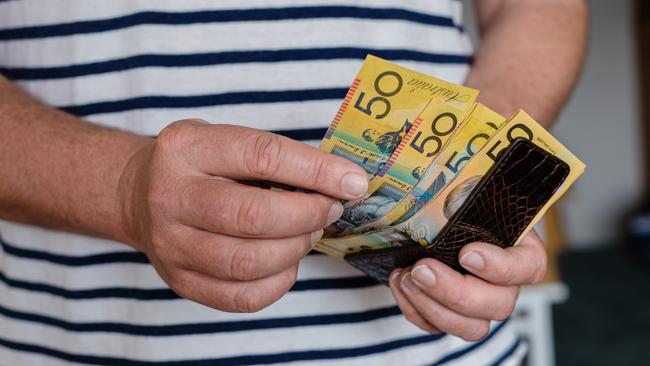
601	126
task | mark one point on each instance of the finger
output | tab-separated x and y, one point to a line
464	294
243	211
234	296
522	264
238	259
257	155
445	319
406	308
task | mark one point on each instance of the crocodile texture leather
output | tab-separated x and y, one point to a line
497	211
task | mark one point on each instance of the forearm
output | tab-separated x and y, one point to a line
530	54
59	171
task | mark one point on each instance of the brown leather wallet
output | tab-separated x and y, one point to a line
497	211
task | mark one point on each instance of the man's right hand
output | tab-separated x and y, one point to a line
215	241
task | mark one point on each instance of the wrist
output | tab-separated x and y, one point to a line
131	188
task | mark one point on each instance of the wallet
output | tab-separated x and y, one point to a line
501	206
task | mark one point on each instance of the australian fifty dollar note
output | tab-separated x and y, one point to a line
480	125
380	107
425	225
428	136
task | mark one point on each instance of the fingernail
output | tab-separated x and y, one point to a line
407	282
316	236
395	274
354	184
335	213
473	260
424	276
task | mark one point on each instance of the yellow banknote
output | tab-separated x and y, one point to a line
481	124
430	132
339	247
380	108
425	225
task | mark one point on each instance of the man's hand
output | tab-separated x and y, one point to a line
227	245
437	299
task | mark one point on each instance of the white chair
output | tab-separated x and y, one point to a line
533	315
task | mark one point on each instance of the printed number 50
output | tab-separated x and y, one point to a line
383	95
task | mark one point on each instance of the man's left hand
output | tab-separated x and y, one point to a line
438	299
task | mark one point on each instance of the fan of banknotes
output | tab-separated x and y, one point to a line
425	144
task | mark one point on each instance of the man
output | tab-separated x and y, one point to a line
87	81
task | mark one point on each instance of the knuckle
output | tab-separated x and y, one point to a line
243	263
175	135
455	297
505	309
313	212
253	215
157	245
177	281
477	332
303	246
507	274
247	301
454	325
160	248
263	155
539	274
317	172
290	279
540	269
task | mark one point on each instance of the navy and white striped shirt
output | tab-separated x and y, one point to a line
281	65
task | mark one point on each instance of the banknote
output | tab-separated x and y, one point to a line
340	247
427	222
481	124
380	108
430	132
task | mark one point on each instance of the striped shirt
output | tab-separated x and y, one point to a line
281	65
